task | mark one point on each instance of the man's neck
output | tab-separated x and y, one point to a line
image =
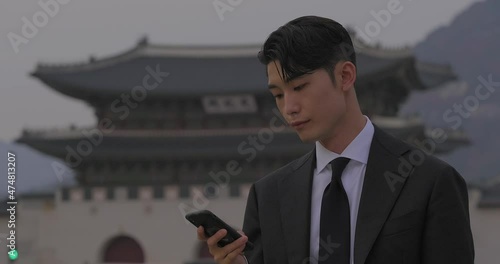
344	134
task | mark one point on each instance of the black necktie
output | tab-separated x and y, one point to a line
335	226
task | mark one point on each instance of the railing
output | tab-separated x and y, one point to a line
148	193
77	132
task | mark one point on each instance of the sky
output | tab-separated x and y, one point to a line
74	30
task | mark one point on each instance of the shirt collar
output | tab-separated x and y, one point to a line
357	150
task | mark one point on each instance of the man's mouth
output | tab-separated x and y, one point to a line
298	124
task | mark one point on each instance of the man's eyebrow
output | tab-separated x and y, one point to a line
272	86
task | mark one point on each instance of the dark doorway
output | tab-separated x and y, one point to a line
123	249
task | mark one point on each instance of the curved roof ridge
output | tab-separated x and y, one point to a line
90	64
145	49
203	51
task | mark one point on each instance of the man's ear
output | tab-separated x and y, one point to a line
347	72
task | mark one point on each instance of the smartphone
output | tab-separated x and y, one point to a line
211	224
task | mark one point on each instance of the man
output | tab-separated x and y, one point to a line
360	196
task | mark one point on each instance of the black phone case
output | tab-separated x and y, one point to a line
211	224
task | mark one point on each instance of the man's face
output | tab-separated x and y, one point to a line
311	103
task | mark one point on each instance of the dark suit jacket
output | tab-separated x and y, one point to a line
411	210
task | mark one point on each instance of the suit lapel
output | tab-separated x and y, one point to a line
378	197
295	207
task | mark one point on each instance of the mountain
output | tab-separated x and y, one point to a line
470	44
36	173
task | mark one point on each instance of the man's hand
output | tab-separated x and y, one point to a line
231	253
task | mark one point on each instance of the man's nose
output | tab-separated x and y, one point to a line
292	105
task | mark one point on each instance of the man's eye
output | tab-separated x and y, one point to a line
299	87
278	96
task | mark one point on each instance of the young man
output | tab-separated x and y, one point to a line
356	198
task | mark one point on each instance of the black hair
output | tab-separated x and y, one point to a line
306	44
